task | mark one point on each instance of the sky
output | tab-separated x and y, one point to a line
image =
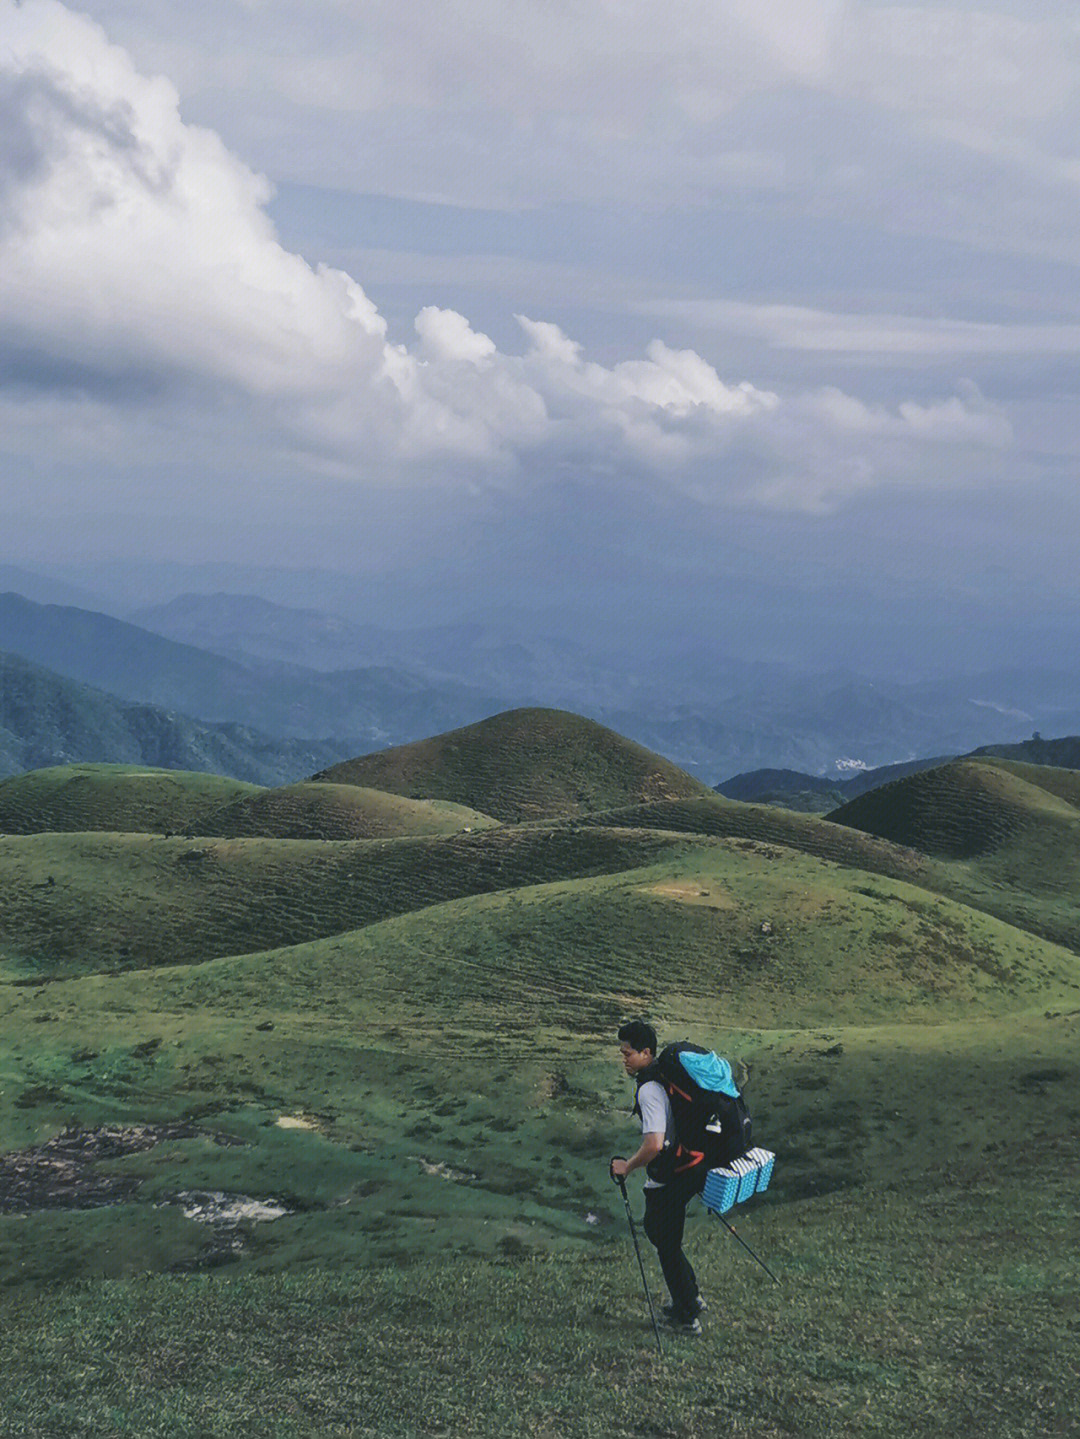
748	321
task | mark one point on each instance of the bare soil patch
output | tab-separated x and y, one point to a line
62	1172
689	892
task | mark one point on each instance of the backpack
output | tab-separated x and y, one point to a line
711	1122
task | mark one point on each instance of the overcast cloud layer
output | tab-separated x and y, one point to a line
775	257
136	259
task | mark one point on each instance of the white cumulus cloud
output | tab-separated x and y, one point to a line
137	260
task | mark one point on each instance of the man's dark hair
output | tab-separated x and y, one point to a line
638	1035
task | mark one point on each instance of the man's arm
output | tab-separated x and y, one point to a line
651	1145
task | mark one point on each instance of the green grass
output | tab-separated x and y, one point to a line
1030	878
72	903
917	1313
525	764
477	1035
337	812
441	1012
114	797
963	810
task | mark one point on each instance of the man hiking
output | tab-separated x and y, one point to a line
666	1194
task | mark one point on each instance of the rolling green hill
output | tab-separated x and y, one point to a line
961	810
766	824
408	1045
133	799
339	811
999	836
75	903
114	797
1063	783
521	765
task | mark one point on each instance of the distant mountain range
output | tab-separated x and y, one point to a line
308	674
812	793
816	795
372	707
47	720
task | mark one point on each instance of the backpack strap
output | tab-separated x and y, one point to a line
653	1072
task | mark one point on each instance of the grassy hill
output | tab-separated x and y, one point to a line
114	797
133	799
521	765
409	1045
339	811
84	902
960	810
1000	836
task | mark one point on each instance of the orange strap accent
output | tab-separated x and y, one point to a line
698	1156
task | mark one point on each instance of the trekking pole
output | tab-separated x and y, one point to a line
641	1263
730	1229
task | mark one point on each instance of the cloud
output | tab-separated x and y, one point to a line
801	327
137	259
946	119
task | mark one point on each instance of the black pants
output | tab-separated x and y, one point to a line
665	1220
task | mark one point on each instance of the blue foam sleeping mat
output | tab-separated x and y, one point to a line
734	1183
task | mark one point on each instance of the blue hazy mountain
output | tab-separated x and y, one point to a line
46	719
230	658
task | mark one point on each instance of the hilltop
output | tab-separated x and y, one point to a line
964	809
524	764
316	810
132	798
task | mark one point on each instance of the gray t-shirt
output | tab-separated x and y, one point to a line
655	1117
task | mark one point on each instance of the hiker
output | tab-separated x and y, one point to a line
666	1194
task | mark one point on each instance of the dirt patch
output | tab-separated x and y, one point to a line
214	1206
440	1170
687	892
62	1173
294	1121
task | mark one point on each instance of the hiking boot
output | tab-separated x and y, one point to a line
683	1326
668	1310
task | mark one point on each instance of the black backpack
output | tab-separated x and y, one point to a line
711	1128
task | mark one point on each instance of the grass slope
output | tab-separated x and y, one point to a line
474	1038
1013	831
911	1317
410	1043
766	824
338	811
116	797
522	765
72	903
961	810
438	1274
1031	881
